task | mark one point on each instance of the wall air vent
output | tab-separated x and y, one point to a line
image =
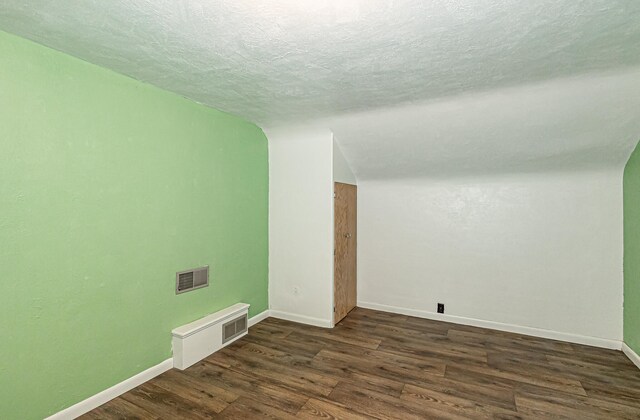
192	279
204	336
234	328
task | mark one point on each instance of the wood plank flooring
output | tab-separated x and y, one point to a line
388	366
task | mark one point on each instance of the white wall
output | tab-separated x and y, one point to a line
301	224
542	251
341	170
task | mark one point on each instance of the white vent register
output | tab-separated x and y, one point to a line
197	340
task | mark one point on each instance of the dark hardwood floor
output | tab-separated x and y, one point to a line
381	365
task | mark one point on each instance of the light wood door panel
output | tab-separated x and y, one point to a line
345	249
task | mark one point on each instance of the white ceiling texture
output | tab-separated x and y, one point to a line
410	87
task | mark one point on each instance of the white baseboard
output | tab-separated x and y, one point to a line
107	395
535	332
259	318
302	319
100	398
97	400
632	355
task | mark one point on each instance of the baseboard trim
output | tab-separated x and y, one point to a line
100	398
259	318
535	332
302	319
107	395
632	355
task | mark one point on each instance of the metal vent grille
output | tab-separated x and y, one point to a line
192	279
234	328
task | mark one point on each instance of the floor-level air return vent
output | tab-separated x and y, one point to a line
197	340
234	328
192	279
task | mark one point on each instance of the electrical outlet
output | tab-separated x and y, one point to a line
440	308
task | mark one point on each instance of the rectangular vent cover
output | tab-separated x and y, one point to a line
192	279
234	328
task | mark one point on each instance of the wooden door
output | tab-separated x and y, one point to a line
345	241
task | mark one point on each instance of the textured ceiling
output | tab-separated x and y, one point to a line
579	123
279	61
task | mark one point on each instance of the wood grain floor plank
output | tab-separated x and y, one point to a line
388	371
512	341
558	383
361	340
165	404
435	350
605	370
249	386
613	393
199	392
340	369
383	406
248	408
393	331
272	332
298	338
314	409
366	380
450	403
303	348
381	365
574	371
498	395
590	406
119	409
302	378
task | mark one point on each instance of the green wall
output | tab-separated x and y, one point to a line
632	252
108	186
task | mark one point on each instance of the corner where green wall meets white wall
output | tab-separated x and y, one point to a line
632	252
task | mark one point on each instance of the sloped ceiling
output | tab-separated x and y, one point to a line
580	123
278	62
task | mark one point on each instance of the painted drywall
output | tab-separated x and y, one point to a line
559	125
301	224
283	61
341	170
541	251
108	187
632	252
